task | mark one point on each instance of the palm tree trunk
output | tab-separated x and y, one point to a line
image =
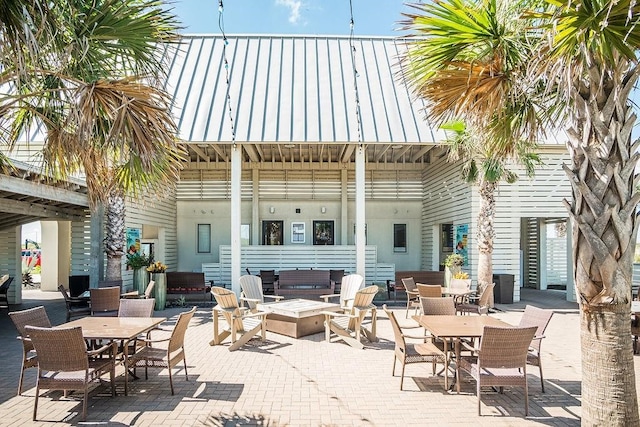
114	234
486	234
603	215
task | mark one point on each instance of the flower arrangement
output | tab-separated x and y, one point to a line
138	260
453	260
460	275
157	267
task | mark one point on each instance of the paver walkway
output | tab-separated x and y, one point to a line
303	382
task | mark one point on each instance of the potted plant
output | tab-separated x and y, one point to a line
452	264
158	270
138	263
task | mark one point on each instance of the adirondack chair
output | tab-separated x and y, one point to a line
252	293
239	320
348	288
348	325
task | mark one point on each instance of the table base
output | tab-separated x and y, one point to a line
295	327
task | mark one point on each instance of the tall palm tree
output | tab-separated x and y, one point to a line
468	60
587	57
90	72
483	168
593	55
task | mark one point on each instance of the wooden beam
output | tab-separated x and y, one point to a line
200	152
347	153
39	210
251	152
401	153
382	152
421	152
220	152
42	191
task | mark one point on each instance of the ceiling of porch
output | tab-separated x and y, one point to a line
27	196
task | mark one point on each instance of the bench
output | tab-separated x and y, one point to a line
425	277
187	283
304	283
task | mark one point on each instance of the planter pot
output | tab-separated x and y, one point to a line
140	280
160	290
448	275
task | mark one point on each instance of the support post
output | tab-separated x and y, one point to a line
360	212
96	259
236	212
255	207
344	207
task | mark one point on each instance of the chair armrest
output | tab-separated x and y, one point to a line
274	297
256	314
326	297
413	293
469	347
335	314
111	346
249	299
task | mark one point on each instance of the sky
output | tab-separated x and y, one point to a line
312	17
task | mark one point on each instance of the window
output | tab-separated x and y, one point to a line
204	238
399	237
297	232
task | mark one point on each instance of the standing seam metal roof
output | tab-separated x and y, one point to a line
293	89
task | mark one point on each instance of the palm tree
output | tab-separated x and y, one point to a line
90	72
468	61
587	58
483	168
593	55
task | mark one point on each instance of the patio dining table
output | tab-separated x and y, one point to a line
125	329
453	328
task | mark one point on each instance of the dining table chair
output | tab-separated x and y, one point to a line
36	316
540	318
411	290
105	302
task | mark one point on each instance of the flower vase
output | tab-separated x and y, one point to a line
160	290
140	280
448	275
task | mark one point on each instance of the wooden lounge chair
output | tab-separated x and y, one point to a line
424	352
348	326
239	320
61	373
348	288
252	292
482	304
501	359
538	317
36	316
76	307
159	357
412	294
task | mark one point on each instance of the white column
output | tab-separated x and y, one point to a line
360	212
542	255
236	220
255	208
344	208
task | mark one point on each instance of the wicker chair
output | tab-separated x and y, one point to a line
349	325
61	373
105	302
268	278
136	307
36	316
438	306
429	290
252	292
482	306
538	317
412	294
148	292
5	283
425	352
76	307
501	360
239	320
348	288
158	357
336	277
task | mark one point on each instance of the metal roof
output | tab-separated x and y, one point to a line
290	88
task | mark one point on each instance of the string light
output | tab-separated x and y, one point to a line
355	72
226	69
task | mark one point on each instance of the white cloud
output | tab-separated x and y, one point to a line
294	9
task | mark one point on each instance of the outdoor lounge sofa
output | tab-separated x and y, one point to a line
188	284
304	283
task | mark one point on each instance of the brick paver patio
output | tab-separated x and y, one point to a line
303	382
